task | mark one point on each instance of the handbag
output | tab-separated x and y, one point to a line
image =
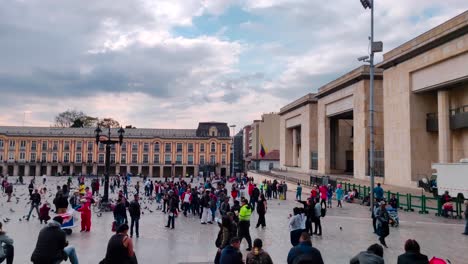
114	226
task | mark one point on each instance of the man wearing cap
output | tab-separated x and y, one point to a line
244	223
52	246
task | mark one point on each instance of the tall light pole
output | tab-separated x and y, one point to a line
375	47
233	161
108	142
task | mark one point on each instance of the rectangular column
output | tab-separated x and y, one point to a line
38	170
49	170
117	169
139	169
94	169
161	171
294	140
72	169
184	171
27	170
150	172
59	168
445	135
15	170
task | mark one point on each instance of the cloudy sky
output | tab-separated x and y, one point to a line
174	63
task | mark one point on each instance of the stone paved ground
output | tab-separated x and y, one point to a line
191	242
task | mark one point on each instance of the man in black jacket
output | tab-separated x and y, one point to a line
52	246
135	212
254	198
172	205
35	202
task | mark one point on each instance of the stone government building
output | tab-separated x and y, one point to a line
30	151
421	113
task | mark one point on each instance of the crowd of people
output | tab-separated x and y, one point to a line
208	202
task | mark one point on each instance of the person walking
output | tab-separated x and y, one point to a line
172	206
254	196
231	254
304	252
383	218
258	255
339	196
244	223
205	203
412	254
31	188
329	196
373	255
134	209
120	248
8	190
323	195
35	202
44	213
261	210
7	251
317	215
298	192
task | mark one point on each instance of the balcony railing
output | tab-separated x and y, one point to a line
458	119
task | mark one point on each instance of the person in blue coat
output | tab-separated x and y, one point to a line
231	254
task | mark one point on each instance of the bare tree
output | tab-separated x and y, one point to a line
108	122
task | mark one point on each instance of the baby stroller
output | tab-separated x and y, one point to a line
393	213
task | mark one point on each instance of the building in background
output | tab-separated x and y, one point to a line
36	151
426	102
298	135
264	137
343	124
238	159
247	149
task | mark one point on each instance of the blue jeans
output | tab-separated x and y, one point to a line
71	253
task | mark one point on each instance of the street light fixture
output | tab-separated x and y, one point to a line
233	161
375	47
108	142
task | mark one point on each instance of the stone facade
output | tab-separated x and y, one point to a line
345	101
298	135
153	152
427	75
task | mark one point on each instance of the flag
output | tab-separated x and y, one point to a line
262	150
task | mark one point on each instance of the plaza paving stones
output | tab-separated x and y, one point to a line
191	242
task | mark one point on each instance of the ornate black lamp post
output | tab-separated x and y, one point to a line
108	142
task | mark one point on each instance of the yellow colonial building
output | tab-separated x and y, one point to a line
30	151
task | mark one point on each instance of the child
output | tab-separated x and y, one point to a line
85	210
44	213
